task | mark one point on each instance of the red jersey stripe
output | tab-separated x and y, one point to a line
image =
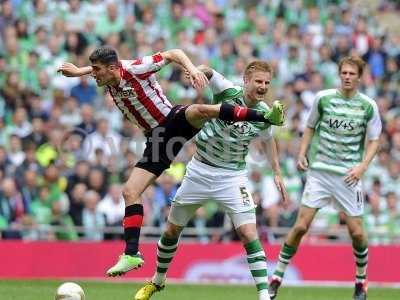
158	94
142	122
144	99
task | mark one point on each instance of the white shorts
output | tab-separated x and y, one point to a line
230	189
323	188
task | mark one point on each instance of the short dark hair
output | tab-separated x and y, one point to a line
105	55
355	61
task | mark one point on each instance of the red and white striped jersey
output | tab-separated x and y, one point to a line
139	95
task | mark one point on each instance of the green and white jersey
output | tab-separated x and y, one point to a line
341	127
225	144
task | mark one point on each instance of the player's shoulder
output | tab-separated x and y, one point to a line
229	93
326	93
125	63
366	99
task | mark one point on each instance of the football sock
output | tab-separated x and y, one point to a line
166	249
258	267
361	257
132	223
235	113
285	255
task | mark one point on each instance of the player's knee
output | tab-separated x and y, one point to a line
300	229
358	236
130	195
200	112
172	231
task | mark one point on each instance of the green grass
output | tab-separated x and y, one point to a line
44	290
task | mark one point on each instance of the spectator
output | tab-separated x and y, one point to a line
93	220
11	209
85	92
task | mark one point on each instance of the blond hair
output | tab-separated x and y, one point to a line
257	65
355	61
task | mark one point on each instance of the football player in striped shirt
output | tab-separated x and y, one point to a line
218	172
136	92
340	123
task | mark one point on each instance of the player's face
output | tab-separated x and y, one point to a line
103	74
256	85
349	77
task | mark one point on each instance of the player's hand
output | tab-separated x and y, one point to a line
354	175
282	190
302	163
198	79
69	70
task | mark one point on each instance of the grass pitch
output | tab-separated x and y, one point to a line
95	290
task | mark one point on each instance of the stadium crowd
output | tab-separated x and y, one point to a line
65	149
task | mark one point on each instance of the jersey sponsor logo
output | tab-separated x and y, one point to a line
347	125
241	127
126	93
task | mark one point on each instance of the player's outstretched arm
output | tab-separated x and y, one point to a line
70	70
179	57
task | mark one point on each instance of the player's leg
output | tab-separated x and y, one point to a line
245	225
198	114
360	251
350	199
166	248
316	195
289	248
138	181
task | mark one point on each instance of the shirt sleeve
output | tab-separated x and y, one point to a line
314	115
374	125
148	65
219	83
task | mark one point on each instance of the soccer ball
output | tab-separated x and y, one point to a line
70	291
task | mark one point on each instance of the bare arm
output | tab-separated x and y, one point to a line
272	155
70	70
372	149
355	173
199	80
273	158
302	163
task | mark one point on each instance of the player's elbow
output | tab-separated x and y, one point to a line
173	54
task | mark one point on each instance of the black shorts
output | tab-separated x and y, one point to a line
164	142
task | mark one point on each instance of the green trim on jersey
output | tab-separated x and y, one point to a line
228	94
225	144
338	141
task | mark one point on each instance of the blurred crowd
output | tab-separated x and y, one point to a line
65	150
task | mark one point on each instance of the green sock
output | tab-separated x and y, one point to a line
361	257
257	264
285	255
166	249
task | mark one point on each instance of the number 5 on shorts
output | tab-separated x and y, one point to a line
245	195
